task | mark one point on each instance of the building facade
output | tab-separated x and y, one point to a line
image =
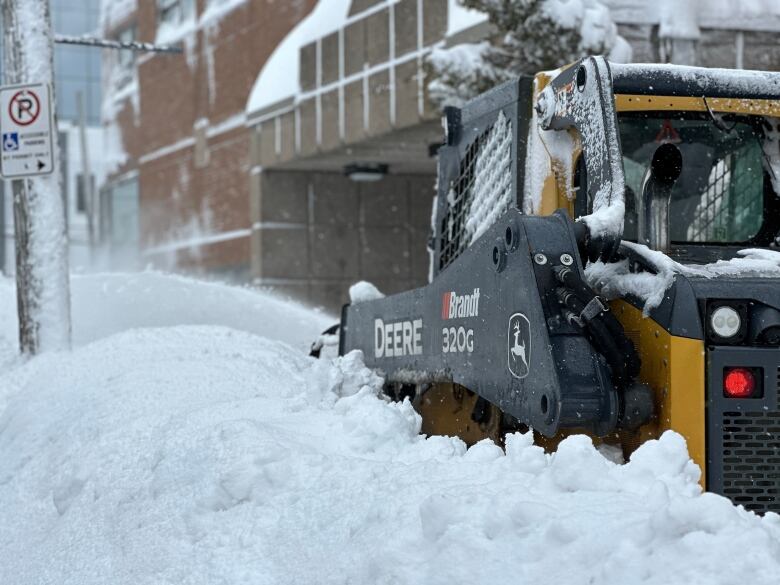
176	138
292	144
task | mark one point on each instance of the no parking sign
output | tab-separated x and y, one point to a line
26	128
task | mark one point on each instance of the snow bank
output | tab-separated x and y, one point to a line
203	454
104	304
207	455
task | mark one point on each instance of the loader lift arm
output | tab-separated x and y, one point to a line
509	316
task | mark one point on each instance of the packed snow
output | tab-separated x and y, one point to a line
679	19
363	291
615	280
171	447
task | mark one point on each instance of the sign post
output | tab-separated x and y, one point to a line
26	126
28	156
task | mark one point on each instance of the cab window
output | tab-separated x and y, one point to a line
719	197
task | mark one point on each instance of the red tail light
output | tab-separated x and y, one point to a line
738	383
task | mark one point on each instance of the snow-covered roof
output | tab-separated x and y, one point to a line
280	76
460	18
708	81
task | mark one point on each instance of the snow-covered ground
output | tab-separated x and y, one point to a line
188	439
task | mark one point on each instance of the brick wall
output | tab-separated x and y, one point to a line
190	101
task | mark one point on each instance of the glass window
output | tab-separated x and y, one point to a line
174	11
719	197
124	216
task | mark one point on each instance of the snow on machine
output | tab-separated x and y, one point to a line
657	308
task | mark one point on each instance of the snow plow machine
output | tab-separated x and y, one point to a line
602	262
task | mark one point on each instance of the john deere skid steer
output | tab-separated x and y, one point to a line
590	273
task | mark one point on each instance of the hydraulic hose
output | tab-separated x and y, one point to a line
603	326
571	280
606	344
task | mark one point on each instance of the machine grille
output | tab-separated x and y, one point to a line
480	193
751	457
729	204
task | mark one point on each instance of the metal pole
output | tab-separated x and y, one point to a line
43	295
2	227
89	197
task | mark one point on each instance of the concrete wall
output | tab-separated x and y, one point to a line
744	49
315	234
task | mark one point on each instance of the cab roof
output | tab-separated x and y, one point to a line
677	80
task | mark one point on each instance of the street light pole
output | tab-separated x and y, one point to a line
42	286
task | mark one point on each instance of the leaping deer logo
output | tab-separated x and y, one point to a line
518	350
519	338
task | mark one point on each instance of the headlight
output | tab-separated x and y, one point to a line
725	322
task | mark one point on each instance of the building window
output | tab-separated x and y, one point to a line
174	11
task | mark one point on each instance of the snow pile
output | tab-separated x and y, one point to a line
363	291
615	280
679	19
591	17
751	262
202	454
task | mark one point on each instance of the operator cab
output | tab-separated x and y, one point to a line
724	199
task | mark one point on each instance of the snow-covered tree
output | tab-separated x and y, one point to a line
529	36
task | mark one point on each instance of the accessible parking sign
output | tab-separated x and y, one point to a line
26	128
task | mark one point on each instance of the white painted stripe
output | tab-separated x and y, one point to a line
342	121
278	225
226	125
166	150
